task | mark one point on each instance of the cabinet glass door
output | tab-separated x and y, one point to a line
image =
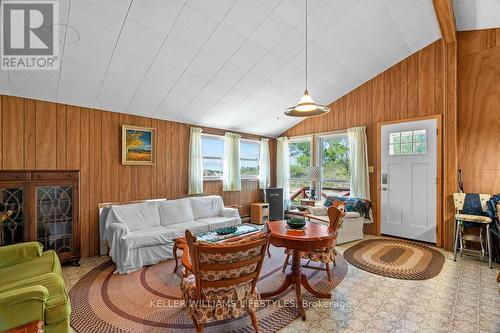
54	211
12	229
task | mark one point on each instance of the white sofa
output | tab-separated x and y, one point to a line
352	227
140	234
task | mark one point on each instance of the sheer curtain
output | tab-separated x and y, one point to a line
360	184
283	169
264	165
195	162
231	179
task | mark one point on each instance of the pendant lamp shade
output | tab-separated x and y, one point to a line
306	106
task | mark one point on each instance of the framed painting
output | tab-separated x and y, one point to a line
138	145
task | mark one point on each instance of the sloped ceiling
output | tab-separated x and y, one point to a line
223	63
476	14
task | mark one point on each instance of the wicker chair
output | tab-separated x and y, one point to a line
336	214
219	281
483	222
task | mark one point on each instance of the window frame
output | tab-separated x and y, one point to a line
301	138
319	151
219	137
311	151
413	142
256	177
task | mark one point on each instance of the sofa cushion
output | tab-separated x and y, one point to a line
323	211
194	227
219	222
18	253
175	211
57	307
208	206
148	237
48	262
136	216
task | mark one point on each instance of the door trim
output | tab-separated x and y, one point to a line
439	194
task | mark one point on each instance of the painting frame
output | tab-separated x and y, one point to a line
125	148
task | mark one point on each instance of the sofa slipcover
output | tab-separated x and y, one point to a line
141	234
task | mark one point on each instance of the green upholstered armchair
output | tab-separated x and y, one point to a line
32	288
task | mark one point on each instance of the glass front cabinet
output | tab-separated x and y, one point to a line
43	207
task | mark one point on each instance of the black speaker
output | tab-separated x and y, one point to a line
274	197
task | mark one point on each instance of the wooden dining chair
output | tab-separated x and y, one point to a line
480	221
220	278
328	254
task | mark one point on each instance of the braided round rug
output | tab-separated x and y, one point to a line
149	300
399	259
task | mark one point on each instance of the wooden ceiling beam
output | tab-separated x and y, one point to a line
446	19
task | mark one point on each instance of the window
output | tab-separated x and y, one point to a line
249	158
213	155
408	143
300	161
334	159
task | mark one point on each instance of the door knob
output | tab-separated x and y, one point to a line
384	188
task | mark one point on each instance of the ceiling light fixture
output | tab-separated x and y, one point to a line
306	106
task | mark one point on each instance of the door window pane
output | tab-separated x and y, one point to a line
406	137
55	217
395	138
395	149
406	148
420	148
12	229
408	143
420	136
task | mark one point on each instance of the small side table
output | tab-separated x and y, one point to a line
259	212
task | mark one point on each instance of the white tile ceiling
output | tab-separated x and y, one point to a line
234	64
477	14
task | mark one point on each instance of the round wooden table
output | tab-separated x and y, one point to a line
313	236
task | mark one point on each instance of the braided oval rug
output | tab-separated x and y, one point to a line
150	301
395	258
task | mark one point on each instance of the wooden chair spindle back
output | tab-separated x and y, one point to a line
219	265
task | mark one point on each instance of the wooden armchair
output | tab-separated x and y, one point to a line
220	278
336	214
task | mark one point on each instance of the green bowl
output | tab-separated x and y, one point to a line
225	231
296	223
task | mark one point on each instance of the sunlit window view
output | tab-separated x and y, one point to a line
300	161
249	158
213	156
334	159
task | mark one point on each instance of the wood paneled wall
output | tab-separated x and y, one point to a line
479	110
415	87
42	135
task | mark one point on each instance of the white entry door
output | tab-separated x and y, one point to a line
409	179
